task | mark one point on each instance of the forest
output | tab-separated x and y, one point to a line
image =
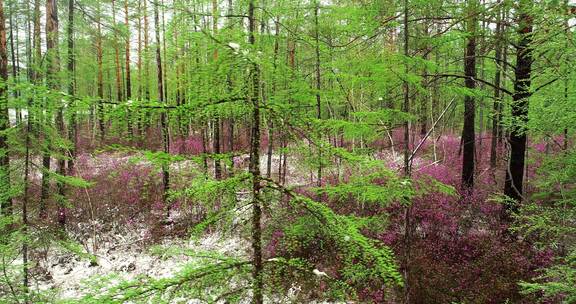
287	151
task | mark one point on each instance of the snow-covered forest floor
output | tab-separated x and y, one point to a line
129	248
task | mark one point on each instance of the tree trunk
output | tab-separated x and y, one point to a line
73	132
139	64
515	174
468	133
14	51
45	183
128	75
5	199
163	118
216	121
146	58
165	68
100	77
258	268
119	90
53	68
318	86
497	93
407	161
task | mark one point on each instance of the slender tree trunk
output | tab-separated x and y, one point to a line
146	52
570	13
139	64
204	151
407	161
100	76
515	174
73	132
274	87
165	69
45	183
179	85
128	74
51	59
52	79
163	116
291	54
14	51
497	96
468	134
36	41
258	267
216	121
5	199
318	85
25	201
119	90
504	67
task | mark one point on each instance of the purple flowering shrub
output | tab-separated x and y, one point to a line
457	253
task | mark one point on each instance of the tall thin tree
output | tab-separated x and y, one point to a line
73	132
254	169
52	79
497	82
513	186
468	133
5	197
163	116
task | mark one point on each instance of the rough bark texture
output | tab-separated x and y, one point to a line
468	133
5	200
254	168
515	174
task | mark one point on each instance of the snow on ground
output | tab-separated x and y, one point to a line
121	251
66	272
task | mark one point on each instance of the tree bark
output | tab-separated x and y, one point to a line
119	89
515	174
128	75
497	93
73	132
254	168
100	76
216	121
5	199
407	161
52	71
318	85
139	64
468	133
163	118
146	61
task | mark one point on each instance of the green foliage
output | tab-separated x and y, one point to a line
363	257
556	282
204	279
382	187
548	221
